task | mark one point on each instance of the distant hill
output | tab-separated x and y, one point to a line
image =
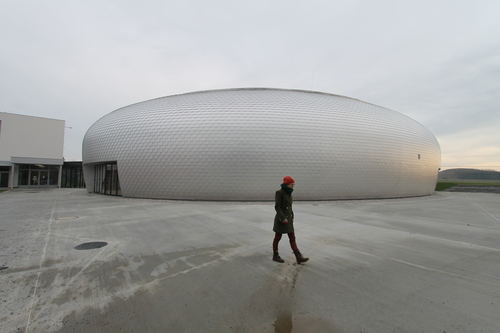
469	174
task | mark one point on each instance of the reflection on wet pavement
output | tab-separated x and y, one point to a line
283	324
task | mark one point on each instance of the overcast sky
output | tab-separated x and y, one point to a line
437	61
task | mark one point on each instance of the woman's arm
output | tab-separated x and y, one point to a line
278	198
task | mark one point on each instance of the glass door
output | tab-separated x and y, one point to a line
34	177
38	175
114	180
106	179
44	178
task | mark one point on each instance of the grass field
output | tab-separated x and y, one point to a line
470	181
444	184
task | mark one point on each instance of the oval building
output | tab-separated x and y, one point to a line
238	144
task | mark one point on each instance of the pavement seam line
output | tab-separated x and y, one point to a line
41	264
484	210
430	269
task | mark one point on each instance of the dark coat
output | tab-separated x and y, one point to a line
283	207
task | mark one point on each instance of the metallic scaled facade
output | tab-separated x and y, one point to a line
238	144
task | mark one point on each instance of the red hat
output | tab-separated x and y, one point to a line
288	180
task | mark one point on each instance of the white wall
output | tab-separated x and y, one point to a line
30	137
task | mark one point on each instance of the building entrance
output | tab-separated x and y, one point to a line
106	179
38	175
72	175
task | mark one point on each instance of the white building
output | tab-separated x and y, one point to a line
237	144
31	151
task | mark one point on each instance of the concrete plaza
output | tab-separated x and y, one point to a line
427	264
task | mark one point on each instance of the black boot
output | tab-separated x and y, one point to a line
300	258
276	257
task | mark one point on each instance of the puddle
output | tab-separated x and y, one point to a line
283	324
301	324
90	246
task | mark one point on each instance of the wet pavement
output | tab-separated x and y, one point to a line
77	262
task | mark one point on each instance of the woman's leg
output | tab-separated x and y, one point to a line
277	238
293	244
276	256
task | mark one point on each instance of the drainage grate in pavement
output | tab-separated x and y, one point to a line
67	218
90	246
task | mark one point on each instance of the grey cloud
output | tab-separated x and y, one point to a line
436	62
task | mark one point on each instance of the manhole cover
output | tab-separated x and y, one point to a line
90	246
67	218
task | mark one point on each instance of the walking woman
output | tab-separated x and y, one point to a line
283	222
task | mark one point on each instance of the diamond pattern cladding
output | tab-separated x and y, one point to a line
238	144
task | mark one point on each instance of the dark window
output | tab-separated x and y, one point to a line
4	176
72	175
24	176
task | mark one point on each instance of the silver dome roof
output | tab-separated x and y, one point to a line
238	144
